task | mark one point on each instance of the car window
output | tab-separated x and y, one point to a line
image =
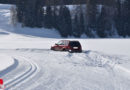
60	43
66	43
74	44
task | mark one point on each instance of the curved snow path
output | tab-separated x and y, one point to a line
10	68
22	77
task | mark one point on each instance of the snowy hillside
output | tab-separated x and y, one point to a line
103	65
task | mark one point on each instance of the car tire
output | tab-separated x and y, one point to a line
52	48
64	49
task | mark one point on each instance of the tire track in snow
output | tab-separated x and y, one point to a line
22	77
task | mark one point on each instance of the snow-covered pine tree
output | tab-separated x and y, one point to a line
13	13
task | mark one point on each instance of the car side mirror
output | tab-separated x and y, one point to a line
56	44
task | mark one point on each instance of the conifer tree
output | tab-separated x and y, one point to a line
119	19
91	18
76	28
101	23
13	13
55	17
65	23
48	18
81	23
127	17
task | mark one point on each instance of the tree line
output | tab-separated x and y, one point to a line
92	20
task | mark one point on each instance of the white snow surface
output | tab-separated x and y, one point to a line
5	62
103	65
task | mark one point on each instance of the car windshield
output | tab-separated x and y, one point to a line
74	44
60	43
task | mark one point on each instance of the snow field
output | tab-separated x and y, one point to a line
103	65
77	71
5	62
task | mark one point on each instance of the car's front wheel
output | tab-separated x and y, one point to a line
52	48
64	49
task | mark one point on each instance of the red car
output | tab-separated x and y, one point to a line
66	45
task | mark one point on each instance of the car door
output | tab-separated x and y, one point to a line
59	46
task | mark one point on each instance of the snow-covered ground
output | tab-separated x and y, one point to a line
6	61
103	65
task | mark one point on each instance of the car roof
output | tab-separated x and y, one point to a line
65	40
70	40
74	41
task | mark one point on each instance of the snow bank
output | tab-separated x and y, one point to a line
5	62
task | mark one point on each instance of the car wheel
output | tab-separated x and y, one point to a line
64	49
52	48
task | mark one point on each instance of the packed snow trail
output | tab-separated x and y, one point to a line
24	75
17	80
